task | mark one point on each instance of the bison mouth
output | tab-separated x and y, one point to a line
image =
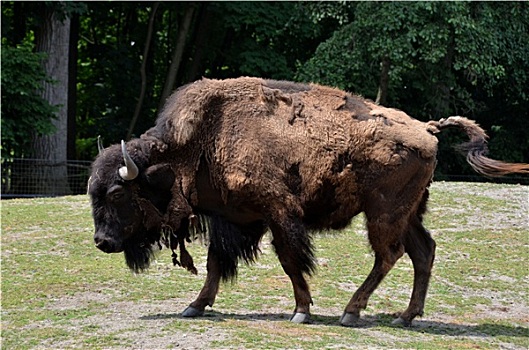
107	245
138	251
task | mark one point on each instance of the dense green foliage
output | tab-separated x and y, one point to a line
24	111
455	58
227	39
430	59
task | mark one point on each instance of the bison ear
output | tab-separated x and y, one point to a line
160	176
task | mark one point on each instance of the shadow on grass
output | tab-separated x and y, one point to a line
479	330
367	321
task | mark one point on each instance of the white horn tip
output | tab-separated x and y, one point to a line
123	173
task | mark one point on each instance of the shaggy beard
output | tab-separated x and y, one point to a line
139	254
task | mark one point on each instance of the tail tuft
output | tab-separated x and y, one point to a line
476	149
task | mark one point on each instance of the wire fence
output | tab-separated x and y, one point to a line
43	178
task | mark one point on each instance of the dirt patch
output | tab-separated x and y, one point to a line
133	325
468	215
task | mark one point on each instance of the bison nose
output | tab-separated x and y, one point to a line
106	244
103	244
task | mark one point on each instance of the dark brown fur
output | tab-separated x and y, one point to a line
252	154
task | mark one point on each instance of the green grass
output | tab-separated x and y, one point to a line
59	291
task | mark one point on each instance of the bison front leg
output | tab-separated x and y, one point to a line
294	251
207	295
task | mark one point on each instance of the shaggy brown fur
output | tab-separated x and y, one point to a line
296	158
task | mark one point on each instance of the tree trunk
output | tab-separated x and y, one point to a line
383	86
177	54
19	22
72	88
53	39
203	29
143	73
442	108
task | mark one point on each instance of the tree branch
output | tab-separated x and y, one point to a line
177	55
383	85
139	104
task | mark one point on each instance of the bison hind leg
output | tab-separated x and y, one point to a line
386	255
420	247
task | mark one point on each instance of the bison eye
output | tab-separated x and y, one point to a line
116	193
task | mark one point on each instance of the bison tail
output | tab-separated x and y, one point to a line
476	149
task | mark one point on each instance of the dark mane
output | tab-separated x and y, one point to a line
233	243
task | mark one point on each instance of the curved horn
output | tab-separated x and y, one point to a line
100	147
130	170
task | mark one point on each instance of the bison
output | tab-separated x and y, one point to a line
232	159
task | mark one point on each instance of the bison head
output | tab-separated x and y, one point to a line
129	197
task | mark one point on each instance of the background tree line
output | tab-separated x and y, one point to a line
74	70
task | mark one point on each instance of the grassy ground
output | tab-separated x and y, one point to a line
59	291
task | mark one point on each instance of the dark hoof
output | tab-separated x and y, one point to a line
192	312
349	320
300	317
401	322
